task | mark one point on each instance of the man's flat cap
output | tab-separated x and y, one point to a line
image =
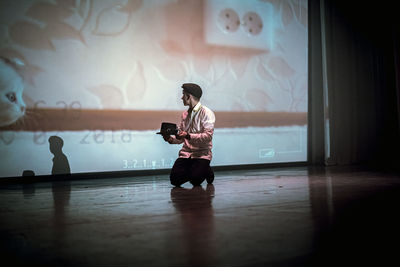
193	89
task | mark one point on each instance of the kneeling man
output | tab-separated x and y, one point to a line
195	132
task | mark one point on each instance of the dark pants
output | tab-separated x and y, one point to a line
191	170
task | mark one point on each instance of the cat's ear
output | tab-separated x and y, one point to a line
13	62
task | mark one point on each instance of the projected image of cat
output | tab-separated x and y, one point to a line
12	106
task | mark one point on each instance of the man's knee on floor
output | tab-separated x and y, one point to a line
176	180
197	180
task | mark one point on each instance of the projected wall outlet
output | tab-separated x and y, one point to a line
238	23
252	23
228	20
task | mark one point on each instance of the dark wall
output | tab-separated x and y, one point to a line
363	94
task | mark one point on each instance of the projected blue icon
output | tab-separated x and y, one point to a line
266	153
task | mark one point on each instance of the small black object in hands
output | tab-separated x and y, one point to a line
168	128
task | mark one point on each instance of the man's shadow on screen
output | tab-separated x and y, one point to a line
60	160
61	186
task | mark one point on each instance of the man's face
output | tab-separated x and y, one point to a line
185	98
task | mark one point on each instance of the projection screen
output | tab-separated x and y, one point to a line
102	76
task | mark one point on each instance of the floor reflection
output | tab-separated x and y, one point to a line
61	195
355	218
197	215
28	189
278	217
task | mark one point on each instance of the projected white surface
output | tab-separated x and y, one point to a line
103	75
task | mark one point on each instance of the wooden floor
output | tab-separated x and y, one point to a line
296	216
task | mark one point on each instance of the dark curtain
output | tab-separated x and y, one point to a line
361	87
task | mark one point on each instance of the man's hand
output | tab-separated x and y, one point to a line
182	134
166	137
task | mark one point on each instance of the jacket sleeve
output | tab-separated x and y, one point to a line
173	140
207	126
203	137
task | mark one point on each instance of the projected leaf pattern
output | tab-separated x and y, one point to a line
290	9
258	98
114	20
27	70
141	57
287	14
136	86
280	67
109	95
45	24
